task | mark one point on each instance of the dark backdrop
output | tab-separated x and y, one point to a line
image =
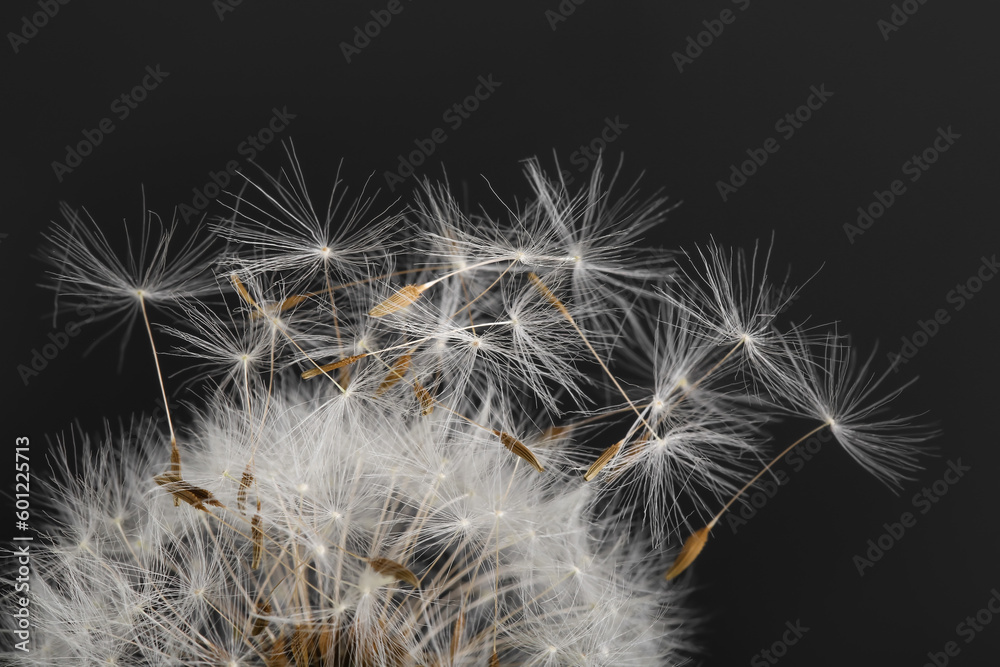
885	82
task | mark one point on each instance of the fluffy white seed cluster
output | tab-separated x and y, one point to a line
426	437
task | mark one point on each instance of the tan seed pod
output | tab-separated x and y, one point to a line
326	368
175	459
495	659
399	300
426	400
281	307
326	644
602	460
393	569
456	635
195	496
692	547
175	466
242	290
396	373
277	657
241	495
292	301
553	432
259	623
548	294
258	540
301	646
630	456
519	449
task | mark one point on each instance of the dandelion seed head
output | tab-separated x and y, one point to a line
396	448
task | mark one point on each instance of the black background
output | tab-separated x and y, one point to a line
559	83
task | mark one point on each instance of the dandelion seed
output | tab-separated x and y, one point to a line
696	542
